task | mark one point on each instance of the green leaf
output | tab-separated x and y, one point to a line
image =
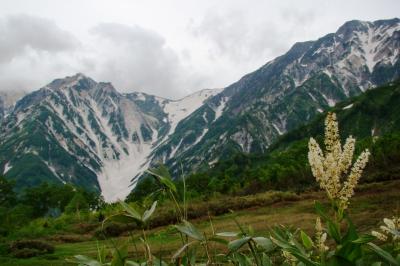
164	177
122	218
307	242
242	260
320	211
119	256
189	230
265	243
158	262
238	243
84	260
132	212
148	213
181	250
101	253
228	234
131	263
219	240
383	254
364	239
333	231
265	260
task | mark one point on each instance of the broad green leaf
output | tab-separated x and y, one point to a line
163	176
383	254
265	243
148	213
189	230
238	243
228	234
307	242
265	260
132	212
242	260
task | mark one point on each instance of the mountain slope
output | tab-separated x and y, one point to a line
285	93
373	118
76	130
79	131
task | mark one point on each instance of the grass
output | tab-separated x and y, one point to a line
371	203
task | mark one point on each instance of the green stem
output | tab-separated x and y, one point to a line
254	253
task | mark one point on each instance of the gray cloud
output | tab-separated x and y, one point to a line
23	33
232	35
192	44
135	58
241	37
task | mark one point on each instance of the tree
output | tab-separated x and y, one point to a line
77	204
7	194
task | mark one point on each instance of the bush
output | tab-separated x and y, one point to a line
30	248
113	230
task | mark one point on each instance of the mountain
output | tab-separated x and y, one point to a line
373	118
249	115
8	99
76	130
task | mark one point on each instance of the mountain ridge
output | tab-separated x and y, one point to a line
80	131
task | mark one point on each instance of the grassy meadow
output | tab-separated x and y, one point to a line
370	204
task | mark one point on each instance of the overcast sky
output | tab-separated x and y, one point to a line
166	47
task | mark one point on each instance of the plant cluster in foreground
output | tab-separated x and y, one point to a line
336	240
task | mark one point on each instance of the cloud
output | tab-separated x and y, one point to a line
34	51
231	35
20	34
251	36
135	58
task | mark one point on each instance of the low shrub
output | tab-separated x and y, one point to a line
30	248
113	230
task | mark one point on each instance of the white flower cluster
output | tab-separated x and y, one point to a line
331	168
390	229
320	237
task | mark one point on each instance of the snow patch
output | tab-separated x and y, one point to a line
331	102
312	97
277	129
175	149
180	109
220	108
201	136
7	168
348	106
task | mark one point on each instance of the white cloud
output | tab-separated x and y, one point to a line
135	58
21	34
168	48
